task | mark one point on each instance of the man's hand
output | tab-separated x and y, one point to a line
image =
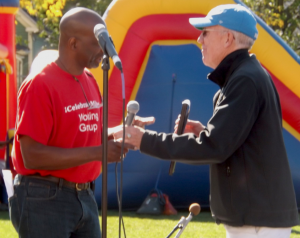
4	143
133	136
191	126
137	121
143	121
114	151
43	157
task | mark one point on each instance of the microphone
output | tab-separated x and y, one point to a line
132	108
185	111
107	44
194	210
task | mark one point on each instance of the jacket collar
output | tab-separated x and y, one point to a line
227	66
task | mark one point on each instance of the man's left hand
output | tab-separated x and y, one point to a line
143	121
133	136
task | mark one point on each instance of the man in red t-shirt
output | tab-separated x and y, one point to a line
57	147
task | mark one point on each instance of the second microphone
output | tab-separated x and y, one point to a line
132	108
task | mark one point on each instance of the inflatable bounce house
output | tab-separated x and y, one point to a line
162	67
8	84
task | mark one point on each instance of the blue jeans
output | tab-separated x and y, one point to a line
41	208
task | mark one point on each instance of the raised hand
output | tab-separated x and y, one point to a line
191	126
143	121
133	136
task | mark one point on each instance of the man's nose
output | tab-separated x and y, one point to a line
200	38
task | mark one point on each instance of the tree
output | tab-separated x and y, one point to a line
48	13
283	16
96	5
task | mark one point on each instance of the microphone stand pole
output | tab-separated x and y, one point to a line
105	68
181	225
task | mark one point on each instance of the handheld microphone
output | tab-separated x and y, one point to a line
185	111
132	108
107	44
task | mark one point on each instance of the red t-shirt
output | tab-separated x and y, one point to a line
53	110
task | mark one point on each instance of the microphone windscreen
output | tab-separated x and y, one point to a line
194	209
133	107
98	29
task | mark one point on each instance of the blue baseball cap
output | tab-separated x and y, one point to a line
231	16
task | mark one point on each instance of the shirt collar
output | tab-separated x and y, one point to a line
227	66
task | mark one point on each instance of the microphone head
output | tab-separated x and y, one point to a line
99	28
194	209
187	101
133	107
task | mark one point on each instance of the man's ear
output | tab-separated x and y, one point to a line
72	43
229	39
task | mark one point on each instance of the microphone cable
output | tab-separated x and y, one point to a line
120	192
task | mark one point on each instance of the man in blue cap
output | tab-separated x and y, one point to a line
251	189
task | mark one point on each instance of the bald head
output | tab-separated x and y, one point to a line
77	22
78	46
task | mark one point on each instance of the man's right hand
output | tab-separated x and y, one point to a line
43	157
191	126
114	151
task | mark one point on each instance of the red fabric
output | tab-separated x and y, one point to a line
289	104
148	29
3	117
52	110
168	209
139	37
8	115
7	38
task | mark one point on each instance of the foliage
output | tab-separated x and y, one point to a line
49	12
21	41
283	16
96	5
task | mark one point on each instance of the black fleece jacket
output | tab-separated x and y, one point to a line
250	179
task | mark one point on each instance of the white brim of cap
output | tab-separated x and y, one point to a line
201	22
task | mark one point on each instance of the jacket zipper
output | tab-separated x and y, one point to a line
228	170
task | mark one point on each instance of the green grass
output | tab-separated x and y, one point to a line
139	226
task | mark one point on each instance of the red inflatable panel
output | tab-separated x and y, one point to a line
136	43
152	28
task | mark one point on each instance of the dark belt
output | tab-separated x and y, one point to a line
65	183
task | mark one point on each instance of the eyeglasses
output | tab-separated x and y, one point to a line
94	106
204	31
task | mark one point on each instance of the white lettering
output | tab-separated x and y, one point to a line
88	117
83	127
80	105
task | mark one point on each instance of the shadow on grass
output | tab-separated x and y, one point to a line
295	232
4	215
204	216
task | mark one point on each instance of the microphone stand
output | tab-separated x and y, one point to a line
105	67
181	225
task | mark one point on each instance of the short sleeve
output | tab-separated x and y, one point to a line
35	117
